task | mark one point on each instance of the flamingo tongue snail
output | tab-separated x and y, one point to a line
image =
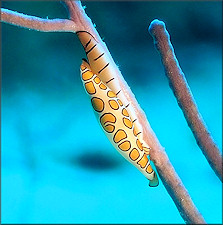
102	64
116	121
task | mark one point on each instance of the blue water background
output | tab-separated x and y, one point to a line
56	164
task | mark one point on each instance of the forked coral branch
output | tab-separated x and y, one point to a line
183	94
80	21
37	23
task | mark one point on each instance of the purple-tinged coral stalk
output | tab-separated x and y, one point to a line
183	94
37	23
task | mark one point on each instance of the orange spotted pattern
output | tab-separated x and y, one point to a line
139	144
98	104
111	94
102	86
134	154
97	80
125	146
143	161
125	112
116	122
90	88
87	75
120	102
119	135
113	104
127	122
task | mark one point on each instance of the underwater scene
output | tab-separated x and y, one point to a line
57	165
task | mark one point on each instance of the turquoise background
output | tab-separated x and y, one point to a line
56	164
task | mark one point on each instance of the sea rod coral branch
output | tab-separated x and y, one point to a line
182	92
36	23
175	187
170	179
